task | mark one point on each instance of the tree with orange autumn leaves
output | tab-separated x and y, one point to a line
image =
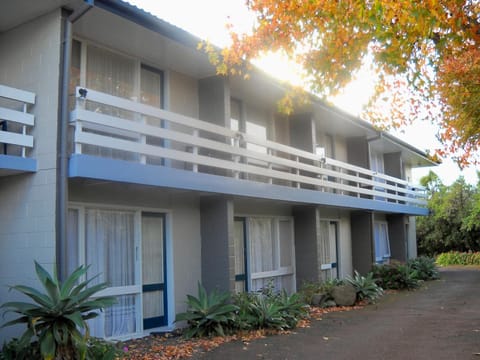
425	55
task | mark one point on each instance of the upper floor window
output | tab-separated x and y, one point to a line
257	127
115	74
376	162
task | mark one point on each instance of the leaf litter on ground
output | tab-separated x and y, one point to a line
168	347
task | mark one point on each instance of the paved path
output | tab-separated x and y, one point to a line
439	321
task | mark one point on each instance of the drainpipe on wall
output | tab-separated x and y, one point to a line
68	18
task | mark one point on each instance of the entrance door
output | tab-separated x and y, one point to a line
153	270
328	250
240	255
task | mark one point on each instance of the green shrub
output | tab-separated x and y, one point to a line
269	310
326	287
395	276
365	286
208	314
14	350
100	349
308	290
425	268
458	258
58	317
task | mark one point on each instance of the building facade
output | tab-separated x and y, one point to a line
122	149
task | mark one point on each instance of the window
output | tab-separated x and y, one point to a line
382	242
110	241
377	165
271	253
115	74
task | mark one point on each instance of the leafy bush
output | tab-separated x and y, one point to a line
458	258
208	314
57	317
308	290
395	276
425	268
267	310
100	349
293	308
365	286
14	350
97	349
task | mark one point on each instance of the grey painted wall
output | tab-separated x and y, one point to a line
306	252
218	257
357	152
397	236
213	107
302	132
30	58
393	165
412	238
362	241
214	100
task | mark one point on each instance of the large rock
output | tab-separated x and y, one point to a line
344	295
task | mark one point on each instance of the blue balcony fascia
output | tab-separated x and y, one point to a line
13	165
92	167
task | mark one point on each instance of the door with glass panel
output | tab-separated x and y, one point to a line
240	244
327	249
153	270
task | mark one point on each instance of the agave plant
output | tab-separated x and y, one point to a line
208	314
365	286
57	318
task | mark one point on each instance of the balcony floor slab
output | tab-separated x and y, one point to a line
92	167
13	165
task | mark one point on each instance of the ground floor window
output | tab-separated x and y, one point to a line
327	245
110	241
268	245
382	242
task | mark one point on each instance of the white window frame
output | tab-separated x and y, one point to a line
388	254
281	270
84	43
135	289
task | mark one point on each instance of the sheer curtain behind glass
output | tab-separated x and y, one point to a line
262	249
113	74
109	247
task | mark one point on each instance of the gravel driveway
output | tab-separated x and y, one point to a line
439	321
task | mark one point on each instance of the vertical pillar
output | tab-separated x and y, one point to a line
361	223
218	261
306	252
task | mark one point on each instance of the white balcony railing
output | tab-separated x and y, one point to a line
109	126
15	121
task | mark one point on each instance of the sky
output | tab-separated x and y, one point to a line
207	18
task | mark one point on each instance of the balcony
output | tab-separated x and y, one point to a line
121	140
16	125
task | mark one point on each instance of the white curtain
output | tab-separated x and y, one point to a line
270	250
261	244
109	249
382	243
115	75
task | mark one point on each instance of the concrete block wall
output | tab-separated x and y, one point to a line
30	61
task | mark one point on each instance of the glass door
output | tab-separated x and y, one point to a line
153	270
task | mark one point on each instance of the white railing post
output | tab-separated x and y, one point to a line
195	151
269	165
297	172
24	130
236	158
